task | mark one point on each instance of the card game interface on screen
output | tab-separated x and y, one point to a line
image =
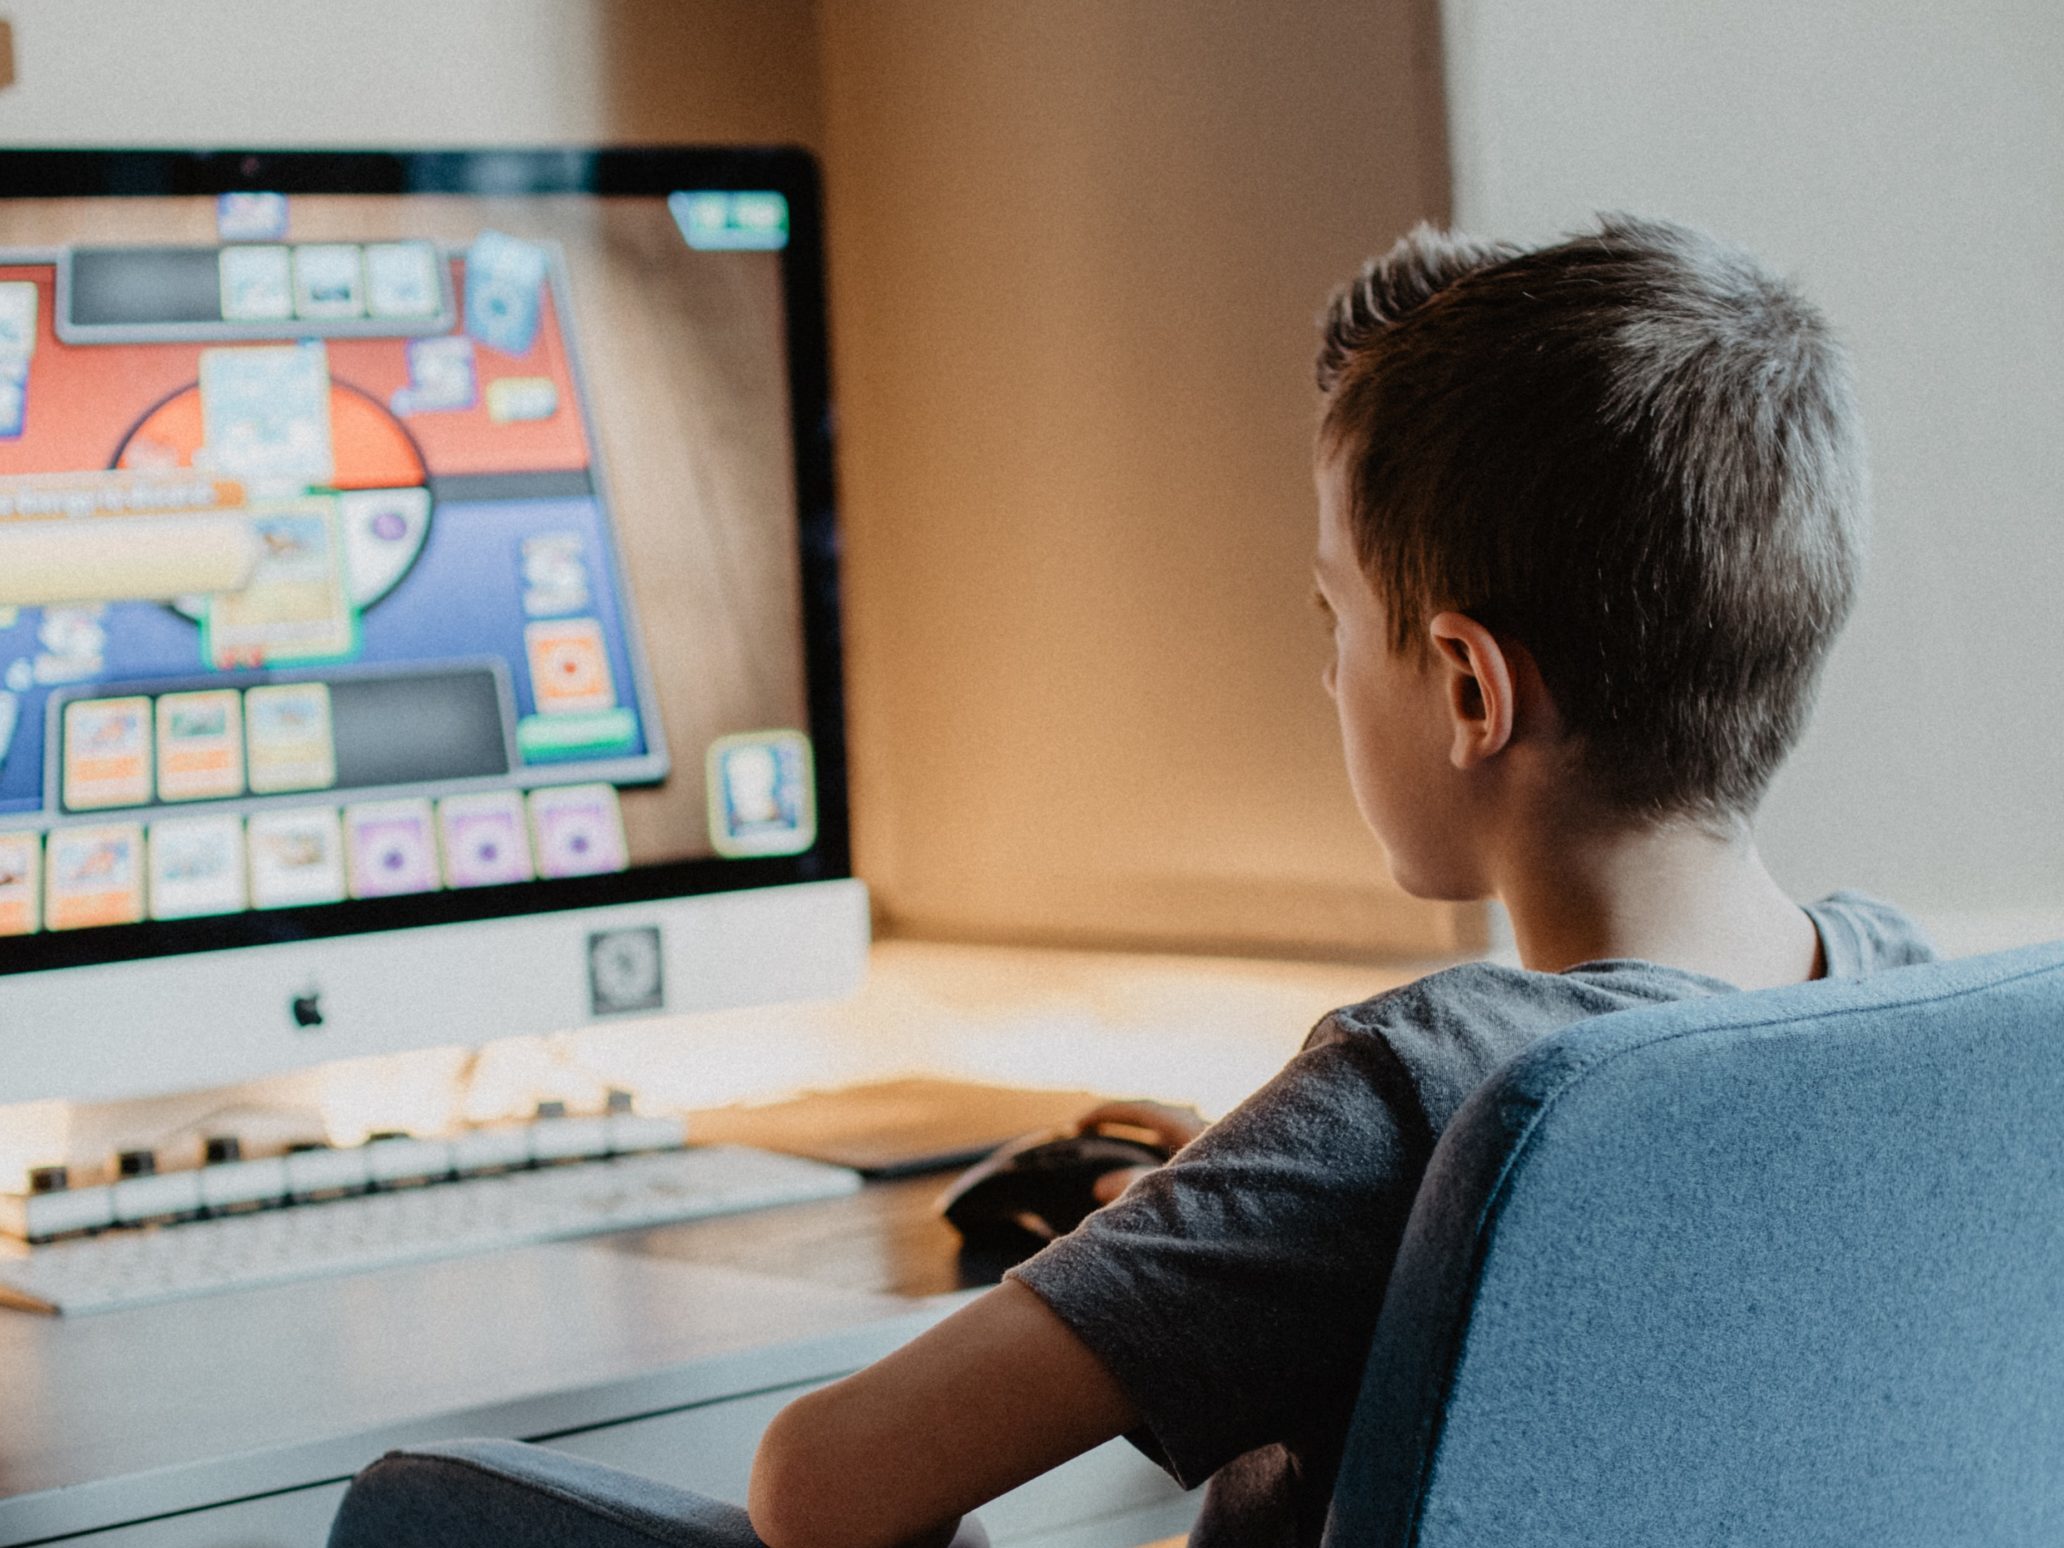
319	570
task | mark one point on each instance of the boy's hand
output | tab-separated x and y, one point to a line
1159	1123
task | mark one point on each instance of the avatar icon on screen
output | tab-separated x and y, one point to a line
761	794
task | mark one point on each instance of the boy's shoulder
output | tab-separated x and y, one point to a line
1450	1029
1861	934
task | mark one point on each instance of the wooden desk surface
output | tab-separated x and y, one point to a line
885	1241
123	1415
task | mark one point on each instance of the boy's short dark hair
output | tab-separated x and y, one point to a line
1637	454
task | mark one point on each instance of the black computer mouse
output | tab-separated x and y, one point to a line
1040	1186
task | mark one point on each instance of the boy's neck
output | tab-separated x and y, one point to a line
1674	895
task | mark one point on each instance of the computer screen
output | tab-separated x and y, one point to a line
393	541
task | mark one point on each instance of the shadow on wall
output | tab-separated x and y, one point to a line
710	71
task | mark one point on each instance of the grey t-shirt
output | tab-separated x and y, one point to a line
1233	1292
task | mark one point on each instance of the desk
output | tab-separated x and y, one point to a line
234	1421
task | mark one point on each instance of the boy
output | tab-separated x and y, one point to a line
1589	518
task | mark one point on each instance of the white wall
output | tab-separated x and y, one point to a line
409	72
1904	159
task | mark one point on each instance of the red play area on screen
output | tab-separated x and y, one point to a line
93	406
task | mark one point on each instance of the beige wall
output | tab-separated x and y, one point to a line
1077	251
1905	160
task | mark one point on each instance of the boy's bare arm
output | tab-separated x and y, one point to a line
895	1454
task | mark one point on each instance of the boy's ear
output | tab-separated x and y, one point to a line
1479	683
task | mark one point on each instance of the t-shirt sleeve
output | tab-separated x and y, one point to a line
1863	934
1233	1292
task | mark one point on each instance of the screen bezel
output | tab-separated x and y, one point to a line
644	171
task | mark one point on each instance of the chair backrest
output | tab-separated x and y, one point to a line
1782	1267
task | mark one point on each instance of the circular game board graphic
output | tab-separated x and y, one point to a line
382	487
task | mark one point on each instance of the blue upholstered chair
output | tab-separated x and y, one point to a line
1774	1268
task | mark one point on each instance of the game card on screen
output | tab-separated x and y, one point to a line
265	412
93	876
296	606
329	280
200	745
14	396
486	841
401	279
107	753
196	866
257	284
21	882
297	857
578	829
17	318
290	741
390	848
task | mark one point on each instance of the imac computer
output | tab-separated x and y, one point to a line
418	605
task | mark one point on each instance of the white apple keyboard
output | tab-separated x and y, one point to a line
418	1212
